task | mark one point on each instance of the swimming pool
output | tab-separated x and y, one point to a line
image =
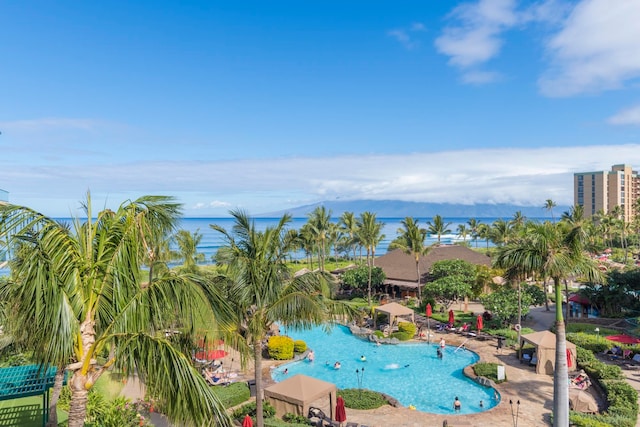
411	373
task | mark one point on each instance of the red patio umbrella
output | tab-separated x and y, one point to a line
341	414
429	312
623	338
451	317
247	422
479	324
210	355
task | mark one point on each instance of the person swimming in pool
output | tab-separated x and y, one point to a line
337	365
363	358
457	405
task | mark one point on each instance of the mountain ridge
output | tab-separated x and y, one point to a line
401	209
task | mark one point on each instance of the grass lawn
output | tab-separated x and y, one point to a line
24	412
109	385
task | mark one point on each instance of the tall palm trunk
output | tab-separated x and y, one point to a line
257	355
369	281
418	274
55	395
561	371
566	307
546	295
80	380
79	399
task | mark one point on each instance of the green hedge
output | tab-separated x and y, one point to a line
280	347
622	399
589	341
299	346
362	399
488	370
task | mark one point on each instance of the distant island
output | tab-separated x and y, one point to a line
400	209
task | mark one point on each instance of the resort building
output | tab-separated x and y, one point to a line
400	267
602	191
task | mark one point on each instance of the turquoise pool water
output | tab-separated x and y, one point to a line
411	373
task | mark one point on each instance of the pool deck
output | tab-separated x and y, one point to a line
535	392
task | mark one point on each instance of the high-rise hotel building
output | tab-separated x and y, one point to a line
604	190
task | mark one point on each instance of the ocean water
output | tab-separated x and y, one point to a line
212	240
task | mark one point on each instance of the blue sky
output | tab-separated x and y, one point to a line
268	105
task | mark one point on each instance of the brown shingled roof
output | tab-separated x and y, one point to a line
398	265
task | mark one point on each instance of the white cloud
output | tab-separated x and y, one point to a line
46	124
596	49
519	176
629	116
406	36
219	204
475	37
480	77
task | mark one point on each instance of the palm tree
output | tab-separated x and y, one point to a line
319	221
188	248
77	293
549	205
484	232
473	227
263	290
411	241
349	225
463	232
552	250
438	227
501	231
518	221
369	235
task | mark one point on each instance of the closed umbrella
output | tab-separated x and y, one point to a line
451	317
341	414
429	312
247	422
479	324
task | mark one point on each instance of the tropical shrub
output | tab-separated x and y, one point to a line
362	399
250	408
280	347
295	418
503	303
622	399
588	341
120	412
378	334
488	370
299	346
358	278
406	331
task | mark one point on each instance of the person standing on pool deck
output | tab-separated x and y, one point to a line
457	405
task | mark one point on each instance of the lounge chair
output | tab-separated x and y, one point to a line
626	354
351	424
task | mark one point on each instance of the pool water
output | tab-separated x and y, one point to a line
412	373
